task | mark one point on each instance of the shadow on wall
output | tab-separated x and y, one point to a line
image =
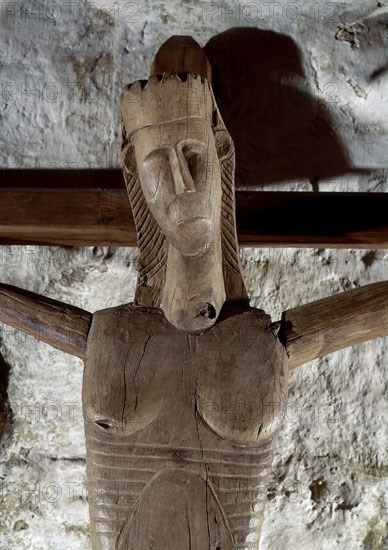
281	132
5	409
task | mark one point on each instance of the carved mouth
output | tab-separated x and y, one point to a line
190	207
189	219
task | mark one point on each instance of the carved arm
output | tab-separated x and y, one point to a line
316	329
63	326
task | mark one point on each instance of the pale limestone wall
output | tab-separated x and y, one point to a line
330	486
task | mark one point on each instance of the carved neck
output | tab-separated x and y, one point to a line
194	290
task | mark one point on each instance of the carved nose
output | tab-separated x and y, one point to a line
183	182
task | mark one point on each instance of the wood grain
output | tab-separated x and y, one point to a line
181	54
178	164
74	218
103	217
180	429
62	326
181	424
316	329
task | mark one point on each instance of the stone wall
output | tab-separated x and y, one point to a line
316	74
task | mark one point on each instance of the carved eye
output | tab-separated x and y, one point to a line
195	155
193	160
157	171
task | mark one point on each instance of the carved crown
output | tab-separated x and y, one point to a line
144	102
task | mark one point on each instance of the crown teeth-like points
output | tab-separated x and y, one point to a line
173	97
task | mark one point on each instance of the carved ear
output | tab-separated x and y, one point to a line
224	144
128	158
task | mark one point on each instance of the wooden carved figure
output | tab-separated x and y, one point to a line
184	390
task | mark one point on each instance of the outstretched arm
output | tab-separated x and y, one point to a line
316	329
62	326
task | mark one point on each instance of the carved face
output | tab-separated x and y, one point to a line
180	177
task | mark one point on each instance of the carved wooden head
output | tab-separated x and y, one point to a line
178	161
179	173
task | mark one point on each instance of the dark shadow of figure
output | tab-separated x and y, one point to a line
281	132
5	408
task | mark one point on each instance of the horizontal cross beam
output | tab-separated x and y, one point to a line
91	208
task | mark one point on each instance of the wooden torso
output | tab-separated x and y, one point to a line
180	429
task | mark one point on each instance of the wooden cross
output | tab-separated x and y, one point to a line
185	389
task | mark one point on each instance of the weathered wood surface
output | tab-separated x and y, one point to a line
178	164
62	217
181	424
91	216
318	328
181	54
62	326
180	429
